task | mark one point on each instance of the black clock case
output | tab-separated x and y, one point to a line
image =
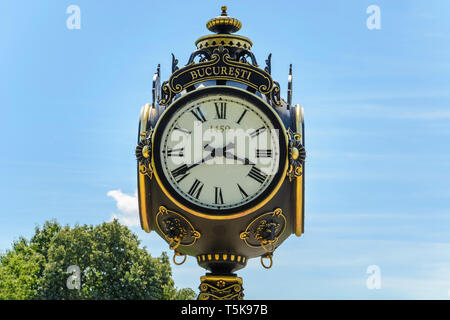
221	238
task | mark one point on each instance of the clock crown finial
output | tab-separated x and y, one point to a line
223	27
224	24
224	11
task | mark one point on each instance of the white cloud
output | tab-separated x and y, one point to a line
128	207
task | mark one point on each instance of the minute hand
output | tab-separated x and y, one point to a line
210	156
229	155
207	158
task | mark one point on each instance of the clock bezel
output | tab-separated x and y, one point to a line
185	203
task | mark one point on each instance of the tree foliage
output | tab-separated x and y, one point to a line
111	264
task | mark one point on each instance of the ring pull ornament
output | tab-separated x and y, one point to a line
176	254
177	230
264	231
267	256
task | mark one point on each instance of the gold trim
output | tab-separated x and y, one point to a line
224	278
298	206
239	214
299	180
215	40
224	20
142	176
220	257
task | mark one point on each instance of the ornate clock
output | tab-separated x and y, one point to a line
225	178
221	160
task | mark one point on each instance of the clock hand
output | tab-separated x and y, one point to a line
225	149
208	157
207	147
244	160
216	151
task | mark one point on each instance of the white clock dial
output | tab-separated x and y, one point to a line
219	151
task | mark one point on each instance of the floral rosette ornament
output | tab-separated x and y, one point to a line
297	155
144	154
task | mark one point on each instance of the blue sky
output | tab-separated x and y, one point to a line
377	115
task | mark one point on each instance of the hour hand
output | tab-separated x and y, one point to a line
245	161
211	155
207	147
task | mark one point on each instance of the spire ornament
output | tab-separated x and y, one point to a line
223	23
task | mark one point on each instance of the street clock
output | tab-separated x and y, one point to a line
221	160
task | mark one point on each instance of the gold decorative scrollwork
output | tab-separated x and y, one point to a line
220	67
216	287
297	155
265	230
144	153
177	230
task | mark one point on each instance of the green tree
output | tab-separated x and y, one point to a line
111	264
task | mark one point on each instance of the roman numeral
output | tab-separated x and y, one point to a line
195	189
262	153
257	174
221	110
219	196
242	191
197	112
175	152
180	173
257	132
242	116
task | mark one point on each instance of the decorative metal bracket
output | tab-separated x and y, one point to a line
297	155
265	230
176	229
203	55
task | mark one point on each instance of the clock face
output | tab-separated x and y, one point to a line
219	151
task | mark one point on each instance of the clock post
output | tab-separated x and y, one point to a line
220	160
